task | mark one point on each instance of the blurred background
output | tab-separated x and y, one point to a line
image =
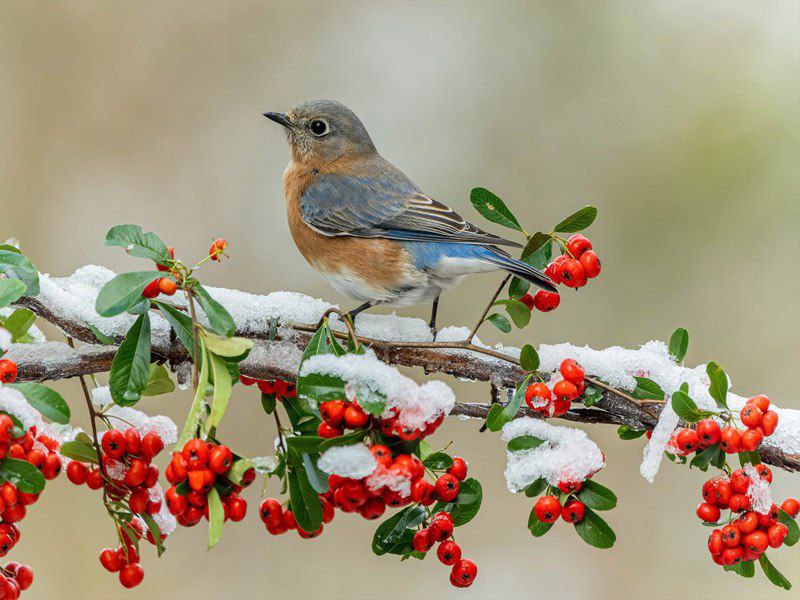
678	120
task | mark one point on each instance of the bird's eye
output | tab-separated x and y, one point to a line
318	127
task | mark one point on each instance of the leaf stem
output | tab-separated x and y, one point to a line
487	309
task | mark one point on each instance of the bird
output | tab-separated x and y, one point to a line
367	228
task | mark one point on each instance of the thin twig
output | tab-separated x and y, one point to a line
487	309
195	328
280	430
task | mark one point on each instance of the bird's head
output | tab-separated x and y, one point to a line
323	131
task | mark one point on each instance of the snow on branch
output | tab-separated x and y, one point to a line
69	304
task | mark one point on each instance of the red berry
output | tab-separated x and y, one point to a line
764	472
422	541
708	512
220	460
8	370
354	417
446	487
739	503
167	286
565	391
553	271
463	573
688	441
133	441
715	545
113	443
328	431
573	511
730	440
237	509
459	468
751	416
732	556
271	512
52	466
791	506
547	509
747	523
332	412
77	472
769	422
372	509
569	487
528	301
546	301
196	454
94	480
131	575
537	396
441	527
739	481
572	273
382	454
423	492
776	534
24	577
590	263
577	244
731	536
201	480
151	289
572	371
6	426
756	542
136	474
761	401
110	560
151	445
708	432
138	501
217	248
448	552
751	439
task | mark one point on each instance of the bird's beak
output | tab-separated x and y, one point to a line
279	118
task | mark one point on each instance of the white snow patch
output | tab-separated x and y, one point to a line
14	403
384	478
130	417
353	462
415	405
758	491
567	454
5	339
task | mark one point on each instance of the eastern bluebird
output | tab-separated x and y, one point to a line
367	228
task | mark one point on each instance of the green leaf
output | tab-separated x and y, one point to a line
155	532
18	266
467	503
306	443
678	344
222	391
438	461
27	478
216	516
492	208
518	287
524	442
773	574
703	458
18	322
536	488
79	450
262	464
647	389
11	290
137	243
48	402
131	366
268	403
198	404
595	531
306	504
718	388
316	477
498	417
541	257
685	407
104	339
181	324
745	569
320	388
371	401
233	347
500	322
596	496
390	532
323	342
158	381
347	439
518	312
577	221
538	528
123	292
536	242
592	395
626	433
794	531
529	358
219	319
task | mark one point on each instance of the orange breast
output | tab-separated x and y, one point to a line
379	263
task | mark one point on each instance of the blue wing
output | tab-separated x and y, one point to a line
390	207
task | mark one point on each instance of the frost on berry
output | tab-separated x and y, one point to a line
759	491
567	454
353	462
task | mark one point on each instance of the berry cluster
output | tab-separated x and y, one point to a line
126	458
217	250
573	269
747	537
193	472
8	370
550	507
439	530
278	388
338	415
557	401
756	416
14	579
